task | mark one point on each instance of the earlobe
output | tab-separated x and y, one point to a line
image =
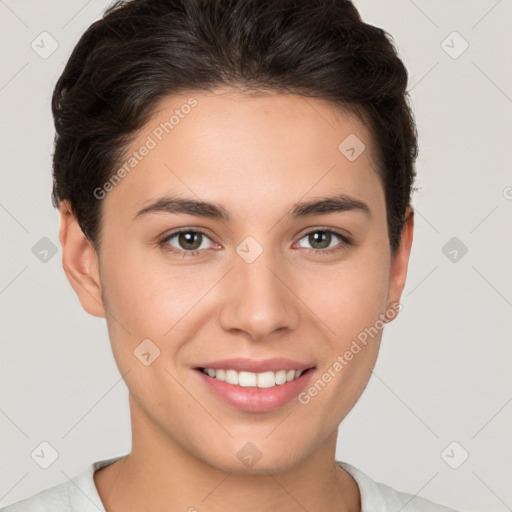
80	262
400	261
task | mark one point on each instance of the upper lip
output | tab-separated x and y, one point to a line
242	364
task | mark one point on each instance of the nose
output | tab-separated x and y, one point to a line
258	299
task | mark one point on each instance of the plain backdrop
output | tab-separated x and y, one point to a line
441	390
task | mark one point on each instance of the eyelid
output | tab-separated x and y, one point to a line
343	235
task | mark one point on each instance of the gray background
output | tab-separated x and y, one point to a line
443	375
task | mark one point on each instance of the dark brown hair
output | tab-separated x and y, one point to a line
143	50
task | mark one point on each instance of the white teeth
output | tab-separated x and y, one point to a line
250	379
281	377
231	377
247	379
266	380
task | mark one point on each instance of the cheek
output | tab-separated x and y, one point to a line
351	310
350	296
149	296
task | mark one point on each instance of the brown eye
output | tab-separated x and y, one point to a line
190	240
325	241
186	242
320	239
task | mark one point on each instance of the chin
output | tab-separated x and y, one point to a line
248	459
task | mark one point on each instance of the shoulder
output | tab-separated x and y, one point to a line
76	495
382	497
55	499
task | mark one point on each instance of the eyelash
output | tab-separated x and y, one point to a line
163	242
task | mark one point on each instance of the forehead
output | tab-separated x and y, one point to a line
248	149
284	118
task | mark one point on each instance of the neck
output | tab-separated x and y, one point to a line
159	474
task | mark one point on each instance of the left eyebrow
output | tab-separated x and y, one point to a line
338	203
191	206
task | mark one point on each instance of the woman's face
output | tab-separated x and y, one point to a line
270	279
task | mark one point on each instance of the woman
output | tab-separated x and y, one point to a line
234	181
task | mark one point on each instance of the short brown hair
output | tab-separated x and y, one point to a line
143	50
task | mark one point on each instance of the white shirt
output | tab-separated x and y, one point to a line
81	495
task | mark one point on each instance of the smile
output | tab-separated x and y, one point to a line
249	379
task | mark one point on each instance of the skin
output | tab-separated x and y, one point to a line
256	156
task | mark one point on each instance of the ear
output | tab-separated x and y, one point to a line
400	261
80	262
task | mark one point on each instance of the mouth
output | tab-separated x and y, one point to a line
268	379
255	392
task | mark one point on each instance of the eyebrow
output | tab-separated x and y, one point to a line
191	206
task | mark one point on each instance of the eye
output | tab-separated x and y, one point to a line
191	242
186	242
324	241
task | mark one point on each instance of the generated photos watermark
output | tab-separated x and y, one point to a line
342	360
150	143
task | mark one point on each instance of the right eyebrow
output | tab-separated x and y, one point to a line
174	204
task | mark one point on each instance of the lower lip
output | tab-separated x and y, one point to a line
252	399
